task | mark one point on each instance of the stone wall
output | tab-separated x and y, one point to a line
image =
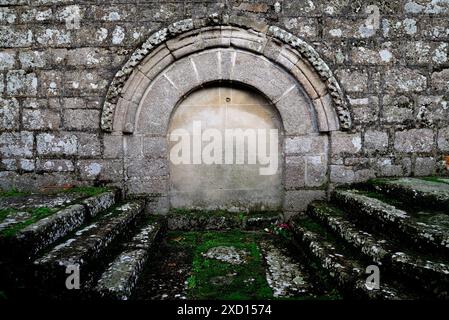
58	57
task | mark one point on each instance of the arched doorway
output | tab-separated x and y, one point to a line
234	138
177	62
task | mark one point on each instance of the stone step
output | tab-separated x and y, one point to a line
41	234
432	274
88	246
219	220
285	275
390	219
38	236
343	265
121	275
429	194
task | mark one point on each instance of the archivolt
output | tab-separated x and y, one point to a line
187	37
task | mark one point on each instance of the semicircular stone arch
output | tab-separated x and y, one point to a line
189	55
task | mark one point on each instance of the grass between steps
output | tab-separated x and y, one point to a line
244	281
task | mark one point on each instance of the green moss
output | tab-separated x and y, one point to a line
310	225
245	281
435	179
36	215
88	191
378	181
12	193
382	197
5	212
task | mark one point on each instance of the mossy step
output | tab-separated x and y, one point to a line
333	218
28	241
197	220
426	193
396	221
432	275
345	267
88	245
120	277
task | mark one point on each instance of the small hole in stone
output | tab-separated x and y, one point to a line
228	99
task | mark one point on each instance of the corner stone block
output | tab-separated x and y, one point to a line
112	146
443	139
297	201
425	166
294	172
306	145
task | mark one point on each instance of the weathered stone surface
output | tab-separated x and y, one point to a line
56	76
347	271
443	139
440	80
14	144
297	201
43	233
190	222
341	174
55	165
227	254
414	140
432	275
9	114
394	219
121	276
425	166
398	109
96	204
56	144
306	145
376	140
7	59
81	119
421	192
366	110
376	249
89	244
345	143
405	80
353	80
40	119
285	276
101	170
89	144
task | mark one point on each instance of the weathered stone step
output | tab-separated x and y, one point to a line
432	275
219	220
423	193
391	219
342	265
285	276
38	236
120	277
88	246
